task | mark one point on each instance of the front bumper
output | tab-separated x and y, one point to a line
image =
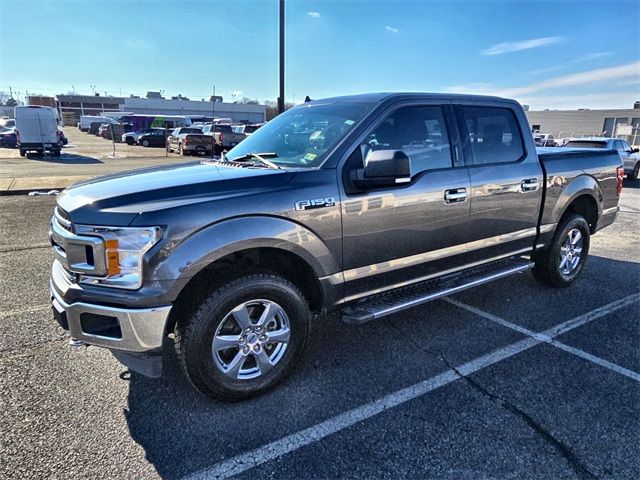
138	330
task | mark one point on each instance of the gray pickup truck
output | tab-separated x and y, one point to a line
188	141
363	205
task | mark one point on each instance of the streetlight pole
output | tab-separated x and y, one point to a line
281	97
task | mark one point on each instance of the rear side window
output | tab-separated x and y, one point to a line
494	135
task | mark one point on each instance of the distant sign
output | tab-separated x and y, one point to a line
624	130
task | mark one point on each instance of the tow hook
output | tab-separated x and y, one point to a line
75	343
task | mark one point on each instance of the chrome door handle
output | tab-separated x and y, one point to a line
455	195
530	185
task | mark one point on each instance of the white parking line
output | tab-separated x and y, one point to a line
276	449
549	335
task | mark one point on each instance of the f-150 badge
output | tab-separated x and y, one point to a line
315	203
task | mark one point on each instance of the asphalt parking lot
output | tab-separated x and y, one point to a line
510	380
84	157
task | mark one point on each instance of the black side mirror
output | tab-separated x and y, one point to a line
383	168
635	150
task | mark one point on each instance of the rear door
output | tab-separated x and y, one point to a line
400	234
506	179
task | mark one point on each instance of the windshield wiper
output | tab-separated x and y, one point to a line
255	156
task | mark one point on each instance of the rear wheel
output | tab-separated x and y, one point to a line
244	338
635	173
181	151
145	143
563	261
56	152
23	153
130	141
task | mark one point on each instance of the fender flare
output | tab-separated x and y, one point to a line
218	240
581	185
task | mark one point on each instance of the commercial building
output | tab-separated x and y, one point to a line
73	106
622	123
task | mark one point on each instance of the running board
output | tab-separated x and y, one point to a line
387	303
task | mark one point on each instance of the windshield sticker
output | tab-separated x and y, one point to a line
309	157
349	122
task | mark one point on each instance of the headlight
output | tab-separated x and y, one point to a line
124	251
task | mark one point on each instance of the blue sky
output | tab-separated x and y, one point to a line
558	54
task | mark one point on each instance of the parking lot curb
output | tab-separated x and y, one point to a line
26	185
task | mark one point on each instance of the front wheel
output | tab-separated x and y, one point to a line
563	261
244	338
145	143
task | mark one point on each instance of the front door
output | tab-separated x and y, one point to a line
399	234
506	180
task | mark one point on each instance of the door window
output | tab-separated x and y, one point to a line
420	132
494	135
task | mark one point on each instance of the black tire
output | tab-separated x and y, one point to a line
130	141
218	149
548	262
145	143
194	337
181	151
635	173
23	153
56	153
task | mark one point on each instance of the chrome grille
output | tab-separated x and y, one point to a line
62	218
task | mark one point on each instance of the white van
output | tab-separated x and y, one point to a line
37	130
86	121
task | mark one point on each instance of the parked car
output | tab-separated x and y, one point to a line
189	140
37	130
247	129
544	140
355	205
629	156
8	138
86	120
225	137
131	138
156	138
7	122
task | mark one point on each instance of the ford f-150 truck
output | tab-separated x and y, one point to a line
363	205
188	140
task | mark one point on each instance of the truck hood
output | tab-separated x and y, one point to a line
117	199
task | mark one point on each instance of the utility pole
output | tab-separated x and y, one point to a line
281	97
213	121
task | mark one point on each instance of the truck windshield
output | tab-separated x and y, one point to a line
584	144
302	136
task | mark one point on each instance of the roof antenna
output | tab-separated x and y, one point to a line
307	99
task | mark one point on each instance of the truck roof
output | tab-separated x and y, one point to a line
385	96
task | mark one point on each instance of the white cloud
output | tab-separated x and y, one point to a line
508	47
592	56
314	14
626	71
391	29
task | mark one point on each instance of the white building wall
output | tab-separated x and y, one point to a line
235	111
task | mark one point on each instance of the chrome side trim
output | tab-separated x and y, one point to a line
452	290
142	328
547	227
434	275
395	264
610	211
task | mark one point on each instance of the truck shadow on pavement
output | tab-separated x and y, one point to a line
344	366
631	183
67	159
